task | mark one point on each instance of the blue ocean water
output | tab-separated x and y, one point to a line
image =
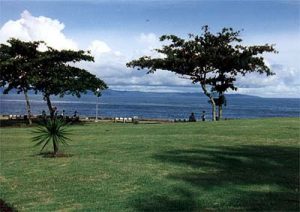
153	105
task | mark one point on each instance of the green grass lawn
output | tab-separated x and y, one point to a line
229	165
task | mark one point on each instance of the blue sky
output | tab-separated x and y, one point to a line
175	16
118	31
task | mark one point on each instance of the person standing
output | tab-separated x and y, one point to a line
203	115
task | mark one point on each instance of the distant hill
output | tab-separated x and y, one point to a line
116	93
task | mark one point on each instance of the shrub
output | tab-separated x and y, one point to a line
52	130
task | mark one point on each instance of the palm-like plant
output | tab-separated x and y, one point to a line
53	130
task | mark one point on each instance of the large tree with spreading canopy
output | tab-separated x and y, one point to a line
212	60
61	77
52	72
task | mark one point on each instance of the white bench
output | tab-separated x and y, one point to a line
123	120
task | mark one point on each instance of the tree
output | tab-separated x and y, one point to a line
18	60
59	77
212	60
24	67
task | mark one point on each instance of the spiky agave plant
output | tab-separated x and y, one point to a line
53	130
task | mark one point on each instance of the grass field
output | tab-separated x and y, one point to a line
229	165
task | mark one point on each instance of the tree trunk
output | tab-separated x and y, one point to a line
213	105
55	147
212	101
220	115
221	103
51	110
28	106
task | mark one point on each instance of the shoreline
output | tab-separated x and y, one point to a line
20	118
90	119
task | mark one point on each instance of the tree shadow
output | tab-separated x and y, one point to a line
180	200
35	122
6	207
52	155
273	172
13	123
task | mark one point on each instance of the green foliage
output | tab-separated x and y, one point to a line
53	130
61	78
212	60
17	62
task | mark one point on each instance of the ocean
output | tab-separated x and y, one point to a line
153	105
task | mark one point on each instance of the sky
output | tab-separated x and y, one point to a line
117	31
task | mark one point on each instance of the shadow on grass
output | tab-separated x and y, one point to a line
180	200
240	178
14	123
6	207
52	155
35	122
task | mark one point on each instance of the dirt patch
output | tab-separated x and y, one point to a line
2	179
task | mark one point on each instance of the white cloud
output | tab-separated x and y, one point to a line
279	91
147	44
111	66
99	47
285	65
287	44
108	63
285	83
149	39
31	28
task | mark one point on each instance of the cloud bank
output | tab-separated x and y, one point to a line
30	28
